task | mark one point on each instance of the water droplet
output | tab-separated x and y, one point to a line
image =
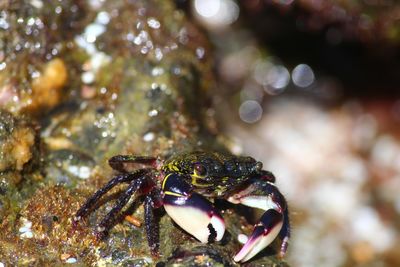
88	77
176	70
3	65
149	44
144	50
103	18
141	38
82	172
36	3
74	8
157	71
137	40
30	21
200	52
142	11
158	53
3	23
153	113
148	137
130	37
58	10
71	260
92	31
153	23
35	74
39	23
27	234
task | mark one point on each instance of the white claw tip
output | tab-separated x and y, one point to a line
256	243
219	226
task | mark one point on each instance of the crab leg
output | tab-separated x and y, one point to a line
117	162
191	211
152	201
109	219
284	234
121	178
263	194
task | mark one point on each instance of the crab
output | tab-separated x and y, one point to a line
184	185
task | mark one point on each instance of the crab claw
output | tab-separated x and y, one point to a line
263	194
263	234
196	216
192	212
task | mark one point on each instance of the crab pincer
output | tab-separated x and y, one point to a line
191	211
264	195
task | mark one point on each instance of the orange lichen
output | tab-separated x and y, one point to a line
22	150
17	151
47	88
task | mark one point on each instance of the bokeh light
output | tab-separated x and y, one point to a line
273	77
336	158
303	75
250	111
216	14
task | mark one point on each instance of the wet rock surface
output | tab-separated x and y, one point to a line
19	148
37	53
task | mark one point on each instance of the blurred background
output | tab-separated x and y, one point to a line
311	88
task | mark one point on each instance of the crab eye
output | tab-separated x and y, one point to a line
259	166
200	170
